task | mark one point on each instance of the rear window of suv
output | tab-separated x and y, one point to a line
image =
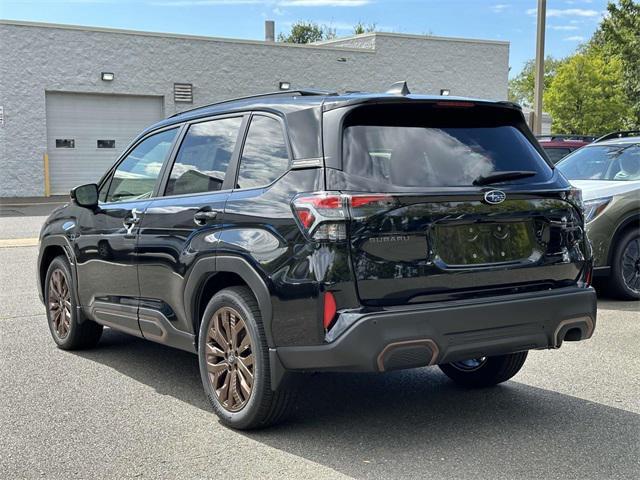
408	148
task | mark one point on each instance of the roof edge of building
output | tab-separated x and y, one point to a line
413	36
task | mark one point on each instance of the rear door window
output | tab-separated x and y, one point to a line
264	156
203	158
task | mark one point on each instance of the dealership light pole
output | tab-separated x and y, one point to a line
539	78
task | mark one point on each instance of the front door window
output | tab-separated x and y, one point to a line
136	176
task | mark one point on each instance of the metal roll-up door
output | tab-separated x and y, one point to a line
87	132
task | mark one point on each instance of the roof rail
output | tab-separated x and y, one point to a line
280	93
567	136
620	134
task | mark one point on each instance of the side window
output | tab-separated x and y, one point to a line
203	158
264	156
137	174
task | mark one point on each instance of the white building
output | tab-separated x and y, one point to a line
73	95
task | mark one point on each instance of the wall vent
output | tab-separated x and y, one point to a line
183	93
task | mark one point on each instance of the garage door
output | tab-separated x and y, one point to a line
86	133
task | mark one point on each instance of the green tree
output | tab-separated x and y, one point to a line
360	28
521	87
586	95
307	32
619	36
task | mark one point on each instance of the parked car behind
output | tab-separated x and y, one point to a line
307	231
559	146
608	173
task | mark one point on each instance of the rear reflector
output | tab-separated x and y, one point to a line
588	278
329	309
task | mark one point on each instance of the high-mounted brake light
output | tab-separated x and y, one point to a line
455	104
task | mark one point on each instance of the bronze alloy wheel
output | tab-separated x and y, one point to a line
59	303
230	359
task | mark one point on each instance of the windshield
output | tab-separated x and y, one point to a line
603	162
397	157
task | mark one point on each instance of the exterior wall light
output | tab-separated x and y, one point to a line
445	92
284	85
108	76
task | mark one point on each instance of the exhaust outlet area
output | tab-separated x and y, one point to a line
409	354
573	330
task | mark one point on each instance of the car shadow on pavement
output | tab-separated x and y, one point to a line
415	423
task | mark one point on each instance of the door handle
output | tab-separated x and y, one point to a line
204	216
132	221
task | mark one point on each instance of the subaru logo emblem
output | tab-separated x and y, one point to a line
494	197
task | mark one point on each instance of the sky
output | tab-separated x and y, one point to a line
569	22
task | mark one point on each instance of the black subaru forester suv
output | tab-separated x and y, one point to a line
310	231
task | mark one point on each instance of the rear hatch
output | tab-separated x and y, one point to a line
430	219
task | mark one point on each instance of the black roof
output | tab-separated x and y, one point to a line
289	101
302	111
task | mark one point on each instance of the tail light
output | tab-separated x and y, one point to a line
574	196
324	215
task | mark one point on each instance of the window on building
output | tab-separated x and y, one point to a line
264	156
106	144
65	143
136	176
203	158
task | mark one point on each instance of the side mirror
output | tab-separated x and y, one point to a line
85	195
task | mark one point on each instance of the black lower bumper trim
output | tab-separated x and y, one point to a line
407	337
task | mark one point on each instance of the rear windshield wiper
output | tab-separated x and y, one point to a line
497	177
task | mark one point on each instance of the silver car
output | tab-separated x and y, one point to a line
608	173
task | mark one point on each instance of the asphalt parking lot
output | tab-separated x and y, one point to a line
134	409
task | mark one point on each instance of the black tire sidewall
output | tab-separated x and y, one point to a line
60	263
620	288
251	411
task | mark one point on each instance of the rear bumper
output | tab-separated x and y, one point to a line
407	337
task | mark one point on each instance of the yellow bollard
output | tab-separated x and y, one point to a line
47	185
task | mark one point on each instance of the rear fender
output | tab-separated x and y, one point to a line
202	270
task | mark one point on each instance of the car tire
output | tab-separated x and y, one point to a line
485	372
69	331
625	267
235	368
